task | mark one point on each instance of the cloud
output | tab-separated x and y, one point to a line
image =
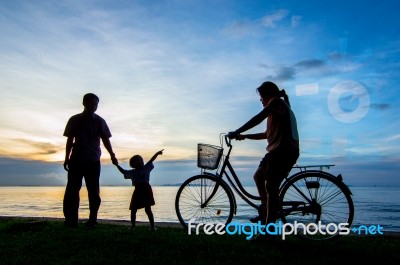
283	73
240	29
395	137
336	56
289	72
254	27
380	106
295	20
270	20
15	172
316	68
146	78
38	147
170	79
311	63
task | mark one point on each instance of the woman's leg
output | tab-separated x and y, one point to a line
149	213
259	179
279	164
272	188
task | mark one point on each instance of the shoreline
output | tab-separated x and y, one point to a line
100	221
34	219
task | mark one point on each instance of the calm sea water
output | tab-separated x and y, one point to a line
373	205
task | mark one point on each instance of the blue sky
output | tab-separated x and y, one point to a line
171	74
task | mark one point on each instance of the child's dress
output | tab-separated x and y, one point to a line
143	194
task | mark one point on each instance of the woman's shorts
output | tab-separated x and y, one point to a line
278	163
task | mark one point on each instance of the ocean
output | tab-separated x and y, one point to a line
373	205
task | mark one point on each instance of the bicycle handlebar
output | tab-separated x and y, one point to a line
228	140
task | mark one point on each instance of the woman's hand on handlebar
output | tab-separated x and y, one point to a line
231	135
236	136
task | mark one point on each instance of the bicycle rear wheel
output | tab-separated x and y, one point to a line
317	198
204	199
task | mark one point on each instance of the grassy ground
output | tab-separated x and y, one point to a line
50	242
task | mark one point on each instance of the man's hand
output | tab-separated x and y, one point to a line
114	160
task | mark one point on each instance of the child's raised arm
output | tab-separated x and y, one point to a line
155	156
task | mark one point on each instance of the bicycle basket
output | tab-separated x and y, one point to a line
208	156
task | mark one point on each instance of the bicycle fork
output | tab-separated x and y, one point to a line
203	194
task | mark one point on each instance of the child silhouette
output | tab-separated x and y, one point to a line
142	196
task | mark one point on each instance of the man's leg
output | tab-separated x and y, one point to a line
71	196
92	179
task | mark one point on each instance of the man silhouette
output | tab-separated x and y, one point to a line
82	159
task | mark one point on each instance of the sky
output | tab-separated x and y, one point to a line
172	74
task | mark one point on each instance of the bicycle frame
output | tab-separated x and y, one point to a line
236	184
228	171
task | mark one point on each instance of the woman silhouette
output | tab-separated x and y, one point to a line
282	149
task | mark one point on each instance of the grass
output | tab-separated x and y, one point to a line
51	243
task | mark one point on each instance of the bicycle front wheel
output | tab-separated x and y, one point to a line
204	199
317	198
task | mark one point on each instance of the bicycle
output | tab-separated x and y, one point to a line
308	196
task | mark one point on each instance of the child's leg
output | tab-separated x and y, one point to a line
150	215
133	217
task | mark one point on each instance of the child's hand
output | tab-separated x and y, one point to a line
160	152
155	156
